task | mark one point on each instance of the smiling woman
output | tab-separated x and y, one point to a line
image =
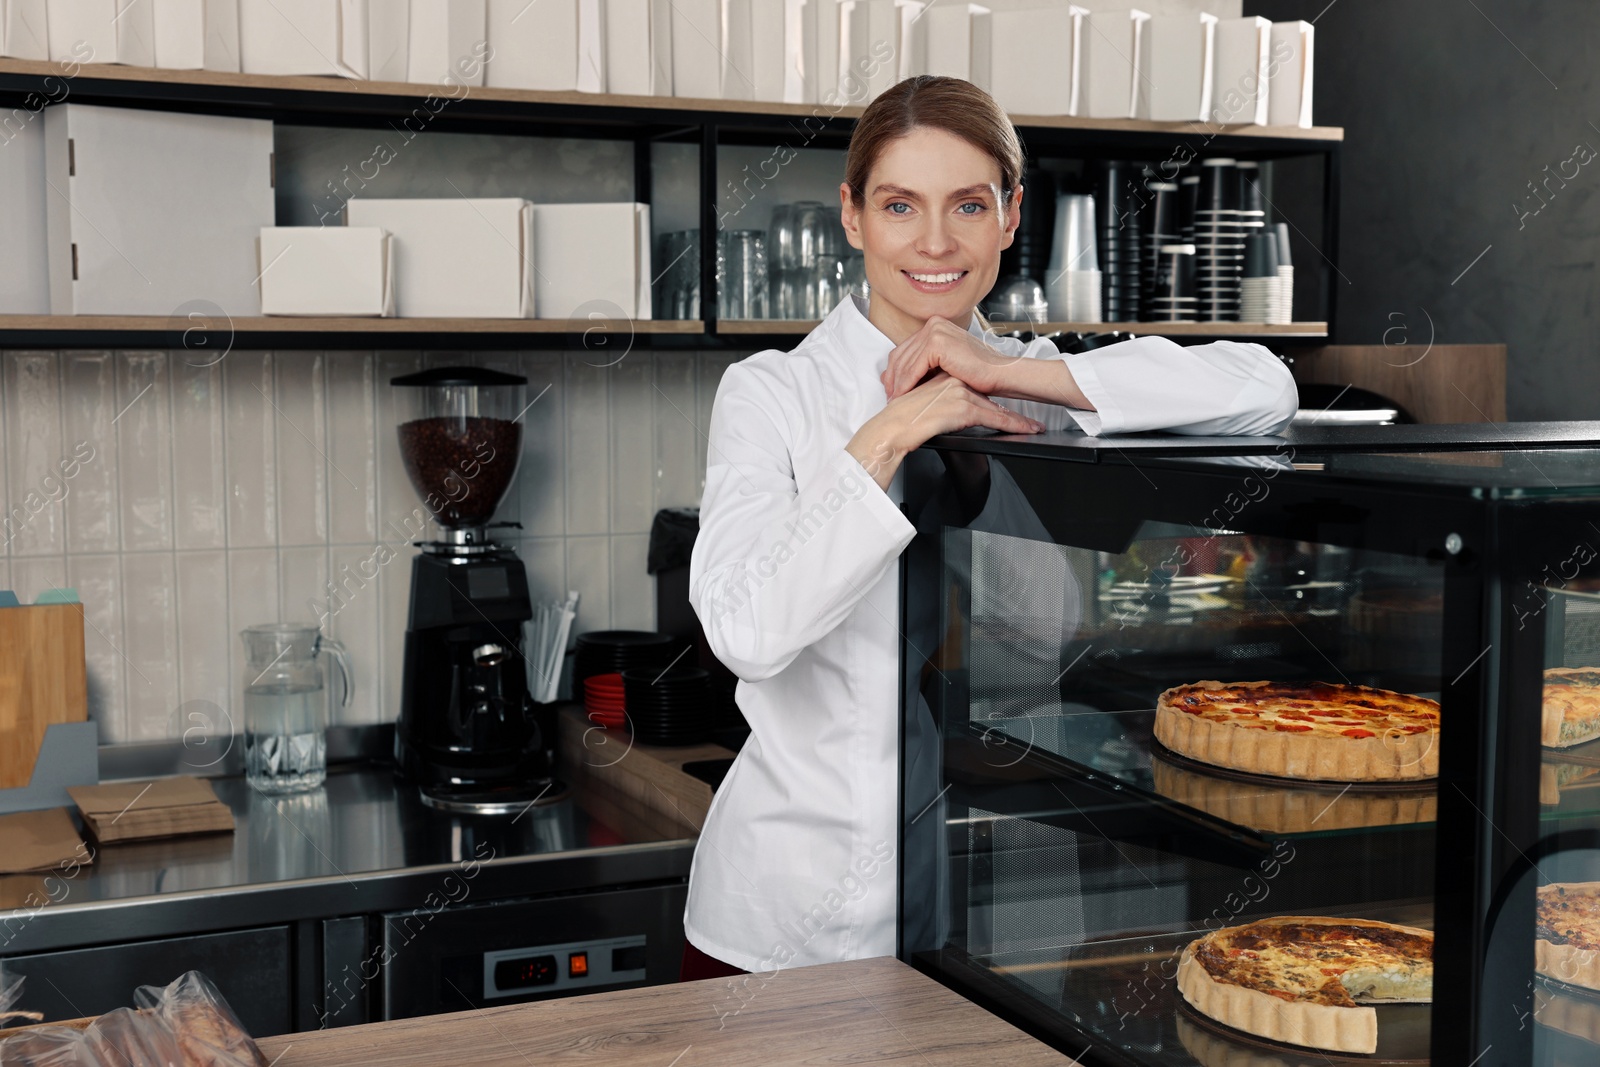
794	573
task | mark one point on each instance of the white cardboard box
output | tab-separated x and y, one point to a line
1239	85
956	42
1112	82
553	44
197	34
1181	50
388	40
326	270
152	210
1290	67
738	70
448	41
639	47
1035	59
457	257
24	32
822	46
303	37
592	257
118	31
24	268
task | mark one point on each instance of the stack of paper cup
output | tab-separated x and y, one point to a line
1285	276
1073	279
1259	299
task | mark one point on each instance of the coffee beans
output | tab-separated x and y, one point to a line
461	466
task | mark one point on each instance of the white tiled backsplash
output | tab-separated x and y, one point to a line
186	501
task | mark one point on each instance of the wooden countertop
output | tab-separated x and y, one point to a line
877	1011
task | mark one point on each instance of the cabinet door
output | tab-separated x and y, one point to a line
249	967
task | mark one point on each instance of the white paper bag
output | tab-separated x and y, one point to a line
697	48
457	257
769	49
24	32
303	37
1182	64
153	210
326	270
448	41
1239	85
1035	59
1112	82
638	54
197	34
1289	66
876	37
388	40
593	258
556	45
118	31
24	268
956	42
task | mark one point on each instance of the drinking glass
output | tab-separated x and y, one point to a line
678	287
285	708
742	275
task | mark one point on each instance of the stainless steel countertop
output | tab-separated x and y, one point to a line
361	844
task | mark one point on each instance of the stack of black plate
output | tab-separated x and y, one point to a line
1120	201
611	651
668	707
1218	241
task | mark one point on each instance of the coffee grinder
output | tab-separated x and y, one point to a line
469	734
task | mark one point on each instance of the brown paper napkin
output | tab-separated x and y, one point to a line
165	807
39	841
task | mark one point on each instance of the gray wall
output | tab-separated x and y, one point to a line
1450	110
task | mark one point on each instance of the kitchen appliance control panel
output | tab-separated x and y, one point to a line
572	965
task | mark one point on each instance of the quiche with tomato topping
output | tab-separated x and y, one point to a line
1307	980
1304	730
1568	925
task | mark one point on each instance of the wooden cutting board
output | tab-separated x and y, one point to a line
42	681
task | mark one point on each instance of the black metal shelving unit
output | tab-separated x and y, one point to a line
29	86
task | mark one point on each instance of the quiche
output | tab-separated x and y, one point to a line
1568	925
1571	706
1307	730
1307	980
1554	777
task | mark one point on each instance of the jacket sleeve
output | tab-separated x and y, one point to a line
778	562
1225	388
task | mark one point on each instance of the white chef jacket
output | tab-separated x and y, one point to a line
795	581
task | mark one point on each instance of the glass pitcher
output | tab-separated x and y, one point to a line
285	710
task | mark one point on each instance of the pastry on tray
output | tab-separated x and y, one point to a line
1318	731
1307	980
1290	808
1568	924
1571	706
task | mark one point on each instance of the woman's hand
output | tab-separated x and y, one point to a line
943	404
942	345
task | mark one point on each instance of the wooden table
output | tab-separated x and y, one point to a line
876	1011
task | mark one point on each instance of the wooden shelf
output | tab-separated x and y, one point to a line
778	327
219	334
322	96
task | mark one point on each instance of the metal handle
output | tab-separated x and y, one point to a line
342	658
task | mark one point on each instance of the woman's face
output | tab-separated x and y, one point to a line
932	229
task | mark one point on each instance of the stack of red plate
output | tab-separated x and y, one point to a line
602	699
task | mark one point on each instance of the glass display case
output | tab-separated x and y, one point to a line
1081	818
